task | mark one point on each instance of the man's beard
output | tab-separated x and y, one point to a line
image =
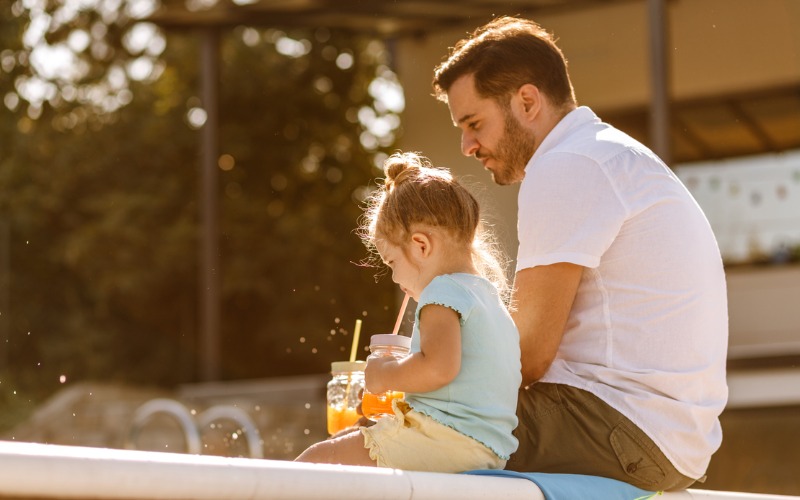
513	152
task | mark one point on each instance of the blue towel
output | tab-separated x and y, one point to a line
575	486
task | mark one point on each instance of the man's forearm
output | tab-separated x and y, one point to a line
543	298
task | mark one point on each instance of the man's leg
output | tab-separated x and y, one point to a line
568	430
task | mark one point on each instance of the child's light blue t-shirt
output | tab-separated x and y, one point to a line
482	400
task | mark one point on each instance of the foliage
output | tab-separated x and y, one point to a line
99	203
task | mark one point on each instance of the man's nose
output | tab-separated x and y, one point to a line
469	146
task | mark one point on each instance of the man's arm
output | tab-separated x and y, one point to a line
543	298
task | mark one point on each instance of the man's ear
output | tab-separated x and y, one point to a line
420	244
529	101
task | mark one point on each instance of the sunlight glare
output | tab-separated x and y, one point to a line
78	40
388	91
344	61
197	117
56	61
139	9
140	38
140	68
292	48
36	29
11	100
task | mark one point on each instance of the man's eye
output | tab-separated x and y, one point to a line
473	125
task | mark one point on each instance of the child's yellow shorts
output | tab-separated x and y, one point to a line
410	440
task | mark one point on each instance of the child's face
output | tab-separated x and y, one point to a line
405	268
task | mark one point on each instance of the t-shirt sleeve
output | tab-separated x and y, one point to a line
446	292
569	211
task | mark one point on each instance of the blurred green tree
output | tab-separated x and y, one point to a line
98	197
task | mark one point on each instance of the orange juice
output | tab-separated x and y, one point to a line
341	417
375	406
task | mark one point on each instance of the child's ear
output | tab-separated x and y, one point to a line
421	244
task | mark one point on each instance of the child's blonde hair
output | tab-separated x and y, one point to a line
416	193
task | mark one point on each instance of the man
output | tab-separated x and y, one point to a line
619	289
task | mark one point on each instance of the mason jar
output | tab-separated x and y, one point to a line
347	382
376	406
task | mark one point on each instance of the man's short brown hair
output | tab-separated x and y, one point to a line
504	55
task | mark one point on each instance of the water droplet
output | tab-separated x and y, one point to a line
306	432
337	320
308	406
302	340
62	378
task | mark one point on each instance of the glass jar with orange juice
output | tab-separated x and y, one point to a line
347	381
375	406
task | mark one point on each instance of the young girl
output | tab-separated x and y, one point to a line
462	376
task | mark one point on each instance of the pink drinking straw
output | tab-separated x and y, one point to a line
400	316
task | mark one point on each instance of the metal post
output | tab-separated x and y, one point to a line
209	273
5	283
659	80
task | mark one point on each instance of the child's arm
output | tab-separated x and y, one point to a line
435	366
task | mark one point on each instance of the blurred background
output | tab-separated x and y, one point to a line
180	182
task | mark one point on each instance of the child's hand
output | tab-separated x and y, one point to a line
375	378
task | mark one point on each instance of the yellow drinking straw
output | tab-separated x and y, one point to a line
356	333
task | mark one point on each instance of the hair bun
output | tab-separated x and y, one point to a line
401	167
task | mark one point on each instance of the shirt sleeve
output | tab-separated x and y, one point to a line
446	292
569	211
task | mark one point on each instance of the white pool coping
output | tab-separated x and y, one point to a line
56	471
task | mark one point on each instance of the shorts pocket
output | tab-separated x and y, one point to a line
636	459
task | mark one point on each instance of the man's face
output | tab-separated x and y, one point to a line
490	132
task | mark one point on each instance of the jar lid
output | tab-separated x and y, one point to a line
348	366
390	339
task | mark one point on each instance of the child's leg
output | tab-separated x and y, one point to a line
346	450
